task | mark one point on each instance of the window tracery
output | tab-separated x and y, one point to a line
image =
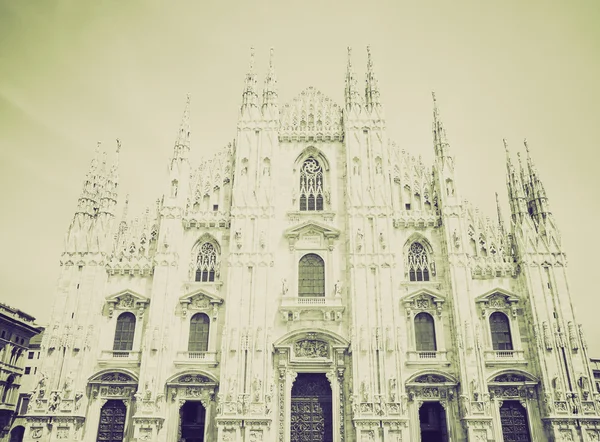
419	266
207	263
311	185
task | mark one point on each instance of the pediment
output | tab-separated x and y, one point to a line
311	228
127	299
201	297
428	294
496	295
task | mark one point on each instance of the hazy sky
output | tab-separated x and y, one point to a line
75	72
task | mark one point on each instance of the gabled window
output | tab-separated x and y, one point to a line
207	264
500	328
311	276
418	263
425	332
199	325
124	332
311	185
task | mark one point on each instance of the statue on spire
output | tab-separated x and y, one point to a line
440	142
182	142
250	96
270	98
372	95
352	96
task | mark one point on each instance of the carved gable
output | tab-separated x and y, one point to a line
127	300
427	300
497	300
201	301
311	235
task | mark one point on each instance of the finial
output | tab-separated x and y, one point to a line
118	145
271	53
505	148
369	61
349	56
526	146
433	96
98	143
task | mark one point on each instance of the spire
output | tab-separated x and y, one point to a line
108	194
538	202
250	97
500	217
372	89
352	97
182	142
88	202
270	89
516	195
440	142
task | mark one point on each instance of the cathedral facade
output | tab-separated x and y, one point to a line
313	282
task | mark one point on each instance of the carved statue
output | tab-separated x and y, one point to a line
338	288
365	391
284	287
68	386
256	386
392	388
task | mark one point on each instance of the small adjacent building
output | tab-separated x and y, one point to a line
17	329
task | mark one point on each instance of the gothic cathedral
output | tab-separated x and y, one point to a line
312	282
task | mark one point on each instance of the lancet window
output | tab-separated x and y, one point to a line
311	276
418	263
207	264
198	340
425	332
124	332
311	185
500	329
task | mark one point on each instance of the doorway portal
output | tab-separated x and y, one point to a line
311	414
112	422
432	419
193	419
513	418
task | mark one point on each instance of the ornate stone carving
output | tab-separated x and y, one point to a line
308	348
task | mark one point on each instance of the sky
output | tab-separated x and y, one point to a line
74	72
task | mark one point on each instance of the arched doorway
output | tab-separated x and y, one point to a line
193	421
513	418
16	434
311	413
112	422
432	420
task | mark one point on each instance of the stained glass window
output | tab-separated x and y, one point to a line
198	340
311	185
311	276
500	327
418	263
425	332
207	265
124	332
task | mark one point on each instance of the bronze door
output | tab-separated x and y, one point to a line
513	418
311	414
112	422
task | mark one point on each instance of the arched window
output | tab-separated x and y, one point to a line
425	332
207	265
311	276
311	185
198	340
124	332
500	328
418	263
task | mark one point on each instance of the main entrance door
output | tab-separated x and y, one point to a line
193	417
311	418
112	421
513	418
432	419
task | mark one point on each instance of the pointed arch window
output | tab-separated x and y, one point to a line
124	332
311	276
207	263
418	263
199	326
425	332
311	185
500	328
